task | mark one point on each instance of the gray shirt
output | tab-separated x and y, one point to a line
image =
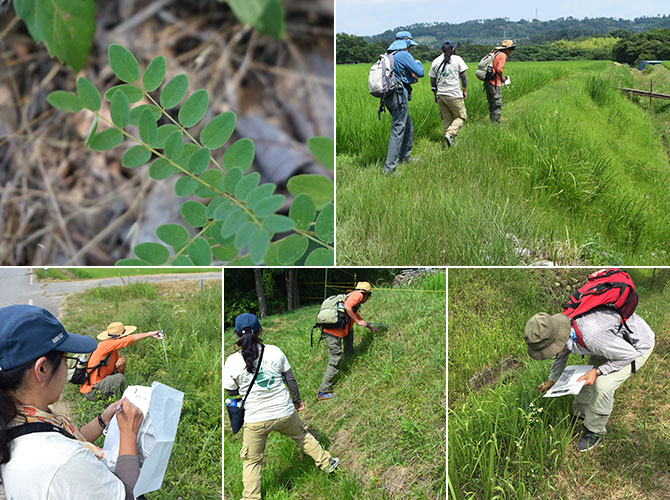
601	334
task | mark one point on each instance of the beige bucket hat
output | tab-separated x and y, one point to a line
546	335
506	44
116	330
363	286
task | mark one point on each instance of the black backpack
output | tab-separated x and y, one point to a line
82	372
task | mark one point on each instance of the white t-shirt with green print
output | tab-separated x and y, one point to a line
269	398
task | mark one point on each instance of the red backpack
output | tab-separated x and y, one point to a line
612	288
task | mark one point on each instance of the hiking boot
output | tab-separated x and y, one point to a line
334	462
588	440
325	396
449	140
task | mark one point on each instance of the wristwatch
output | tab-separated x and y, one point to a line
598	372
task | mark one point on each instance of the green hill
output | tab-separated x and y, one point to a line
387	422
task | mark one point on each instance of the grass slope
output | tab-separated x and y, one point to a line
387	423
191	319
576	173
77	273
507	442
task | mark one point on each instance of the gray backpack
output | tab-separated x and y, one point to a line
485	67
382	78
331	314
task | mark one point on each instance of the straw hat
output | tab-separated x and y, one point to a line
546	335
363	286
116	330
506	44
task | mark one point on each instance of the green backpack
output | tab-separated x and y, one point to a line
331	314
485	67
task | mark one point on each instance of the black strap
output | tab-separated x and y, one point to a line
29	428
258	368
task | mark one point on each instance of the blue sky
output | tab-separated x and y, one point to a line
370	17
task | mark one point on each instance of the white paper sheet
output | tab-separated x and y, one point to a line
161	406
567	382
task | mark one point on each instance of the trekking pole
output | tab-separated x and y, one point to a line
164	350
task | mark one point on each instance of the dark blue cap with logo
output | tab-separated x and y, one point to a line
28	332
247	320
449	42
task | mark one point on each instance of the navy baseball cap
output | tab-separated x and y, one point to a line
28	332
449	42
247	320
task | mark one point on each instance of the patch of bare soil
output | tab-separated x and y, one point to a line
61	203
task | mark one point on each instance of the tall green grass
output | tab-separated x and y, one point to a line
577	173
191	319
506	442
387	421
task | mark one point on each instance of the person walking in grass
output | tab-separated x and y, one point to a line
449	83
553	336
106	368
335	337
493	85
268	407
407	71
42	454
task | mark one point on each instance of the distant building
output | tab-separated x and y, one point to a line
644	64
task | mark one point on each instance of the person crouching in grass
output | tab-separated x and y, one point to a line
268	405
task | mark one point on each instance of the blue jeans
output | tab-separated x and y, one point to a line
402	130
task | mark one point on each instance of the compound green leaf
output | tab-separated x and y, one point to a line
88	94
258	243
66	28
213	178
262	191
222	210
133	93
107	139
217	132
161	169
135	156
291	249
91	132
147	126
154	74
235	219
302	211
200	252
247	184
154	253
193	212
123	63
225	253
319	188
323	149
162	134
185	186
239	154
120	110
231	179
174	91
268	205
271	255
182	261
174	144
243	233
325	224
138	110
199	161
267	16
65	101
194	108
320	257
278	223
219	201
172	234
131	262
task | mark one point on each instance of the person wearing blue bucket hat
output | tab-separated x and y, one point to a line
258	372
449	84
42	454
407	71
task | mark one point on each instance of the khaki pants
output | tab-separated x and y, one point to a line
107	386
335	353
595	402
453	114
253	449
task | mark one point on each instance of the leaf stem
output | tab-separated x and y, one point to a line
191	240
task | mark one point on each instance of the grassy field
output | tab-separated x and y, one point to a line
577	173
387	422
191	319
505	441
84	273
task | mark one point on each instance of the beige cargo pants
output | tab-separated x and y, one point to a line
452	110
253	449
595	402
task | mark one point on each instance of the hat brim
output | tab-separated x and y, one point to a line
398	45
412	43
127	330
503	48
77	344
561	325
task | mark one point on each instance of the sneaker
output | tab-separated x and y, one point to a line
392	173
449	140
410	159
588	440
334	462
325	396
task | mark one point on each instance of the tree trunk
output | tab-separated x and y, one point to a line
296	290
262	303
290	287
